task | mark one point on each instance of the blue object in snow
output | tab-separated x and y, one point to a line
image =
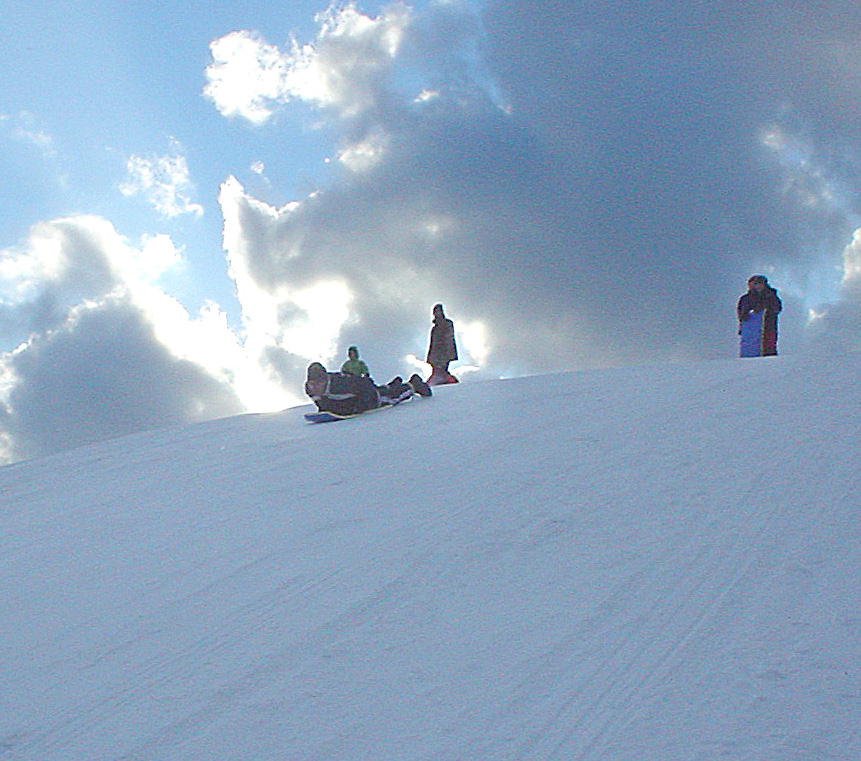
750	335
331	417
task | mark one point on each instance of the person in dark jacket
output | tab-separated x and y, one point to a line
761	298
443	348
345	394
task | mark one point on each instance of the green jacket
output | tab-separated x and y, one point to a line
355	367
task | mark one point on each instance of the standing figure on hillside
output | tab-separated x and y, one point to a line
354	365
443	349
757	319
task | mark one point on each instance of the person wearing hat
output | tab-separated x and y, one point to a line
757	318
443	348
354	365
345	394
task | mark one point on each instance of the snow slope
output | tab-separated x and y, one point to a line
657	562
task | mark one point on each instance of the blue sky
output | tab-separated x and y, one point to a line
90	85
201	198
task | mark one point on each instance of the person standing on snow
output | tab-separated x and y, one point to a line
443	348
757	318
354	365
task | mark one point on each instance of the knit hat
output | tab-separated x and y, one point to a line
316	370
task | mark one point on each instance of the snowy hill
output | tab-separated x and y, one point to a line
645	563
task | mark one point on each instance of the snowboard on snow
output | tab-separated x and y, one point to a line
331	417
325	417
750	335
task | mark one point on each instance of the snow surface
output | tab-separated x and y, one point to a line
657	562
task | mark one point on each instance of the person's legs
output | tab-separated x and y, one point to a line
419	386
395	391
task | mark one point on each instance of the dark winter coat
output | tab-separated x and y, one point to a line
346	394
443	348
768	302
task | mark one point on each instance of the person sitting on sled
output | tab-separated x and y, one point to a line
345	394
354	365
443	348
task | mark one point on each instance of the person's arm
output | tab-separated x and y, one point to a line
433	339
775	305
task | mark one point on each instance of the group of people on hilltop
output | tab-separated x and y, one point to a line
352	390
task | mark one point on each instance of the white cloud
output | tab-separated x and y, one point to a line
344	69
326	308
804	178
561	224
474	340
246	77
157	254
852	262
836	327
109	352
428	207
292	317
367	153
24	126
164	181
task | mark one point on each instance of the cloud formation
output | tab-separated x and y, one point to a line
164	181
246	76
107	351
836	327
590	185
343	70
23	126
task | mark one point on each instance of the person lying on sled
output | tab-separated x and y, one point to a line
345	394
